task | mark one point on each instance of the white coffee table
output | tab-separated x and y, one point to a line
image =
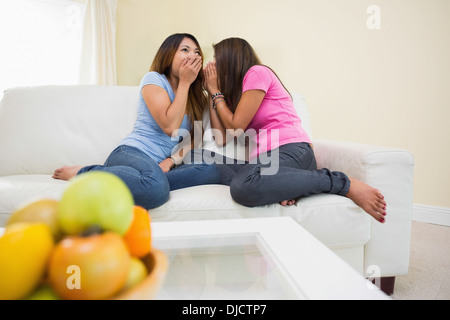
262	258
253	259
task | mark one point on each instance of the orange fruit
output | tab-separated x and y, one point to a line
138	237
92	267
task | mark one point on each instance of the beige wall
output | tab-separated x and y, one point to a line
387	87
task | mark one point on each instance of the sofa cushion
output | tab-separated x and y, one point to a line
19	189
62	125
334	220
71	125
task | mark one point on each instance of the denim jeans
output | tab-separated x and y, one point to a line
297	176
147	182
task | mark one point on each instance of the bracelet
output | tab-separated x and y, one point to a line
173	160
215	95
215	102
217	98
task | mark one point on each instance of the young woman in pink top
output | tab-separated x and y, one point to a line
249	96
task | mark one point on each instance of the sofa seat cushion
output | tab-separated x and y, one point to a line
20	189
336	221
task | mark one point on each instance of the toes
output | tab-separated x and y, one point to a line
376	212
379	217
381	204
381	207
288	202
379	194
57	173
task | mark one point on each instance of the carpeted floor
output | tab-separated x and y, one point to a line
429	267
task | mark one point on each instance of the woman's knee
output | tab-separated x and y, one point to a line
242	191
153	195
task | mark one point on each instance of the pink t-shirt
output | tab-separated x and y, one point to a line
276	122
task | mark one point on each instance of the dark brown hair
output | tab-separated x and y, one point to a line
234	57
162	64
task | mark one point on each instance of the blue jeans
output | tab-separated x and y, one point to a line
296	176
147	182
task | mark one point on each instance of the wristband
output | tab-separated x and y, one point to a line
215	95
216	102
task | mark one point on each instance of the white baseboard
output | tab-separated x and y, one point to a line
431	214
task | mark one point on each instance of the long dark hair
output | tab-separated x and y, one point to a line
234	57
162	64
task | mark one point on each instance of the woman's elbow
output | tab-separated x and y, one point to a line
173	129
168	131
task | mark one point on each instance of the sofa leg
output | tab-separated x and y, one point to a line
386	284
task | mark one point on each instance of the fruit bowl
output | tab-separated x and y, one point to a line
157	264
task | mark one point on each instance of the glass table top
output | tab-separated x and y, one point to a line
238	266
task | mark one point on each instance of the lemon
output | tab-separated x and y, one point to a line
25	249
41	210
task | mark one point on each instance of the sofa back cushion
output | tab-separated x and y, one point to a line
45	127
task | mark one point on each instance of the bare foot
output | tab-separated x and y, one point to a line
288	202
369	199
66	172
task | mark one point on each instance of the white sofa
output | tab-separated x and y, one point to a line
43	128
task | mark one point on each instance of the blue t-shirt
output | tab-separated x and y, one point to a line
147	135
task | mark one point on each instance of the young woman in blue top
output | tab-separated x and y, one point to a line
171	99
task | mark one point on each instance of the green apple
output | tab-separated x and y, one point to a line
96	198
44	292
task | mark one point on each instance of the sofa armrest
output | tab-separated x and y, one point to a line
391	171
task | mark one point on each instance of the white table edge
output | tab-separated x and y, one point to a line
337	281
